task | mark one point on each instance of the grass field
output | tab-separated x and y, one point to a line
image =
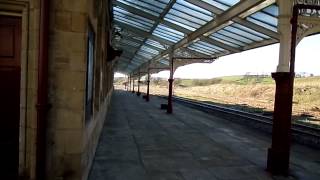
249	93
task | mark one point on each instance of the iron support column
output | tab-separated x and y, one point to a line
148	90
279	153
170	80
132	85
169	109
138	93
129	83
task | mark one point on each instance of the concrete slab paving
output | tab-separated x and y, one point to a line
139	141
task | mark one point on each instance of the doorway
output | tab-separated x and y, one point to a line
10	74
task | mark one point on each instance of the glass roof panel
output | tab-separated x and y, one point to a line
243	33
187	17
130	42
218	4
225	42
210	45
127	47
155	13
204	48
183	21
164	1
126	13
138	38
250	31
193	7
147	52
136	21
139	60
155	44
155	37
144	5
163	27
132	23
228	2
193	12
148	56
180	24
200	51
165	36
235	36
164	31
155	3
168	33
226	38
153	51
164	61
136	62
265	18
263	24
272	10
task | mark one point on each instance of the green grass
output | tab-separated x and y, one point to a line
255	91
243	80
240	80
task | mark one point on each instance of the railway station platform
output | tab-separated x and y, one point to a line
139	141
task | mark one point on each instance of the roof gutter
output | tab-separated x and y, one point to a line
42	92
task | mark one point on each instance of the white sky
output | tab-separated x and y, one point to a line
257	61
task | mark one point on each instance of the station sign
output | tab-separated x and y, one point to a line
311	12
308	2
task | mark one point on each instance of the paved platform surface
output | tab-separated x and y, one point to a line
139	141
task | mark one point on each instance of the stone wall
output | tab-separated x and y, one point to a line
67	77
71	142
103	85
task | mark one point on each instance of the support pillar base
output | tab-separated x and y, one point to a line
164	106
279	153
138	93
148	86
277	162
169	109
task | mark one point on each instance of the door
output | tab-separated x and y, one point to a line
10	49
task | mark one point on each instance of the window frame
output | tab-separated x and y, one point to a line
89	94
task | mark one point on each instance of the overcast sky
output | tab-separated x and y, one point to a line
257	61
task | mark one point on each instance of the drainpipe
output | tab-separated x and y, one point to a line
42	93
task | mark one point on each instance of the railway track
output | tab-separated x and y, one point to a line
302	134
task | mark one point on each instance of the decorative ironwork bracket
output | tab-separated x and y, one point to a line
307	18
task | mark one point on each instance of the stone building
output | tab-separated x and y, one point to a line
57	69
57	65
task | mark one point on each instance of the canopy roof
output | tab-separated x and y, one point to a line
196	30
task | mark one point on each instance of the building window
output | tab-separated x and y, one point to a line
90	74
